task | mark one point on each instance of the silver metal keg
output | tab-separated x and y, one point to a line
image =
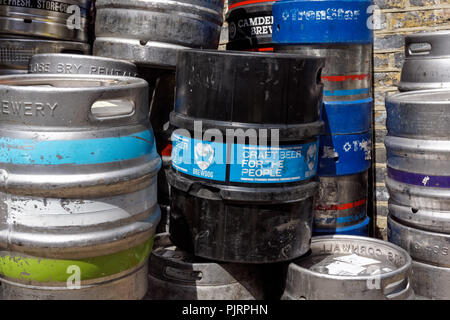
430	282
151	32
418	149
343	78
78	167
15	53
341	201
427	61
430	251
61	20
425	246
175	274
350	268
80	64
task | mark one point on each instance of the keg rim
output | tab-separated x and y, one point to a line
403	269
421	96
81	56
251	54
118	83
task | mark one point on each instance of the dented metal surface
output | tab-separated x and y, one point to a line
77	186
152	32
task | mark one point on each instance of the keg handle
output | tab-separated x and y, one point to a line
111	109
419	48
183	275
396	290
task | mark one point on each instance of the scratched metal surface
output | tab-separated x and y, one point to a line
76	184
137	30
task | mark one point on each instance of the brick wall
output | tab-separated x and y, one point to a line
398	18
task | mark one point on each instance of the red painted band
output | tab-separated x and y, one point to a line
344	206
243	3
344	78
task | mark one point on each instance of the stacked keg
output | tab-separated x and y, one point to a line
150	33
250	25
418	154
337	31
32	27
243	165
78	168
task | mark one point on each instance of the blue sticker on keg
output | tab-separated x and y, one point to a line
199	158
344	154
262	164
247	163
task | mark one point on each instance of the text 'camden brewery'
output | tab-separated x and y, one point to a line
343	39
250	25
220	184
78	188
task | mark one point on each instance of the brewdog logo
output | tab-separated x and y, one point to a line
204	155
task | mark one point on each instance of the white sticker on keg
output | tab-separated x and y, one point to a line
357	260
339	268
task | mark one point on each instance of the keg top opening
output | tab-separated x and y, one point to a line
352	257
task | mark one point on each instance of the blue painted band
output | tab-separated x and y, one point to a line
325	21
422	180
361	229
76	152
344	154
346	117
343	93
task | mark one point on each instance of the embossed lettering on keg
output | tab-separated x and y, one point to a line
79	64
427	61
425	246
15	53
152	32
61	20
350	268
175	274
78	168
